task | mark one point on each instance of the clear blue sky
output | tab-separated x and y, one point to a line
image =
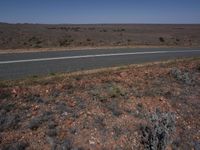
100	11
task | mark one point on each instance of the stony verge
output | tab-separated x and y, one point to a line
153	107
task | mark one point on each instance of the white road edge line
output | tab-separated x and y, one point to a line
91	56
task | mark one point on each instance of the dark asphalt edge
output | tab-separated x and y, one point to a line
43	79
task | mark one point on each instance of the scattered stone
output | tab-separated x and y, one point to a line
64	114
91	142
52	132
16	146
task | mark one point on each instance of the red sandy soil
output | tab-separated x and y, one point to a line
103	110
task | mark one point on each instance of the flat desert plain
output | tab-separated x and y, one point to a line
63	36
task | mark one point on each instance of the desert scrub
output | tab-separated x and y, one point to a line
15	145
88	40
116	91
34	98
113	106
66	42
8	122
4	94
156	134
179	75
161	39
36	122
7	107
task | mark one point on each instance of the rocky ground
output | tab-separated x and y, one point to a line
32	37
155	106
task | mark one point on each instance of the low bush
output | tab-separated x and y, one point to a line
156	135
161	39
181	76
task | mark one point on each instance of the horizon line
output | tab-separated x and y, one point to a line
99	23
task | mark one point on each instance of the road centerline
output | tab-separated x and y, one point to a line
93	56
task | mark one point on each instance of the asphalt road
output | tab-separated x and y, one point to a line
18	65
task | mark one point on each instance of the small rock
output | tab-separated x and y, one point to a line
123	74
91	142
64	114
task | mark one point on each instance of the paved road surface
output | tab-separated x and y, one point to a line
14	66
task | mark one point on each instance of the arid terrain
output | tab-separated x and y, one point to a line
150	106
53	37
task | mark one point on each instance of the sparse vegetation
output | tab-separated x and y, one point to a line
36	122
103	30
161	39
181	76
114	108
88	40
119	30
67	41
8	122
109	109
7	107
117	132
30	36
115	91
20	145
156	135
